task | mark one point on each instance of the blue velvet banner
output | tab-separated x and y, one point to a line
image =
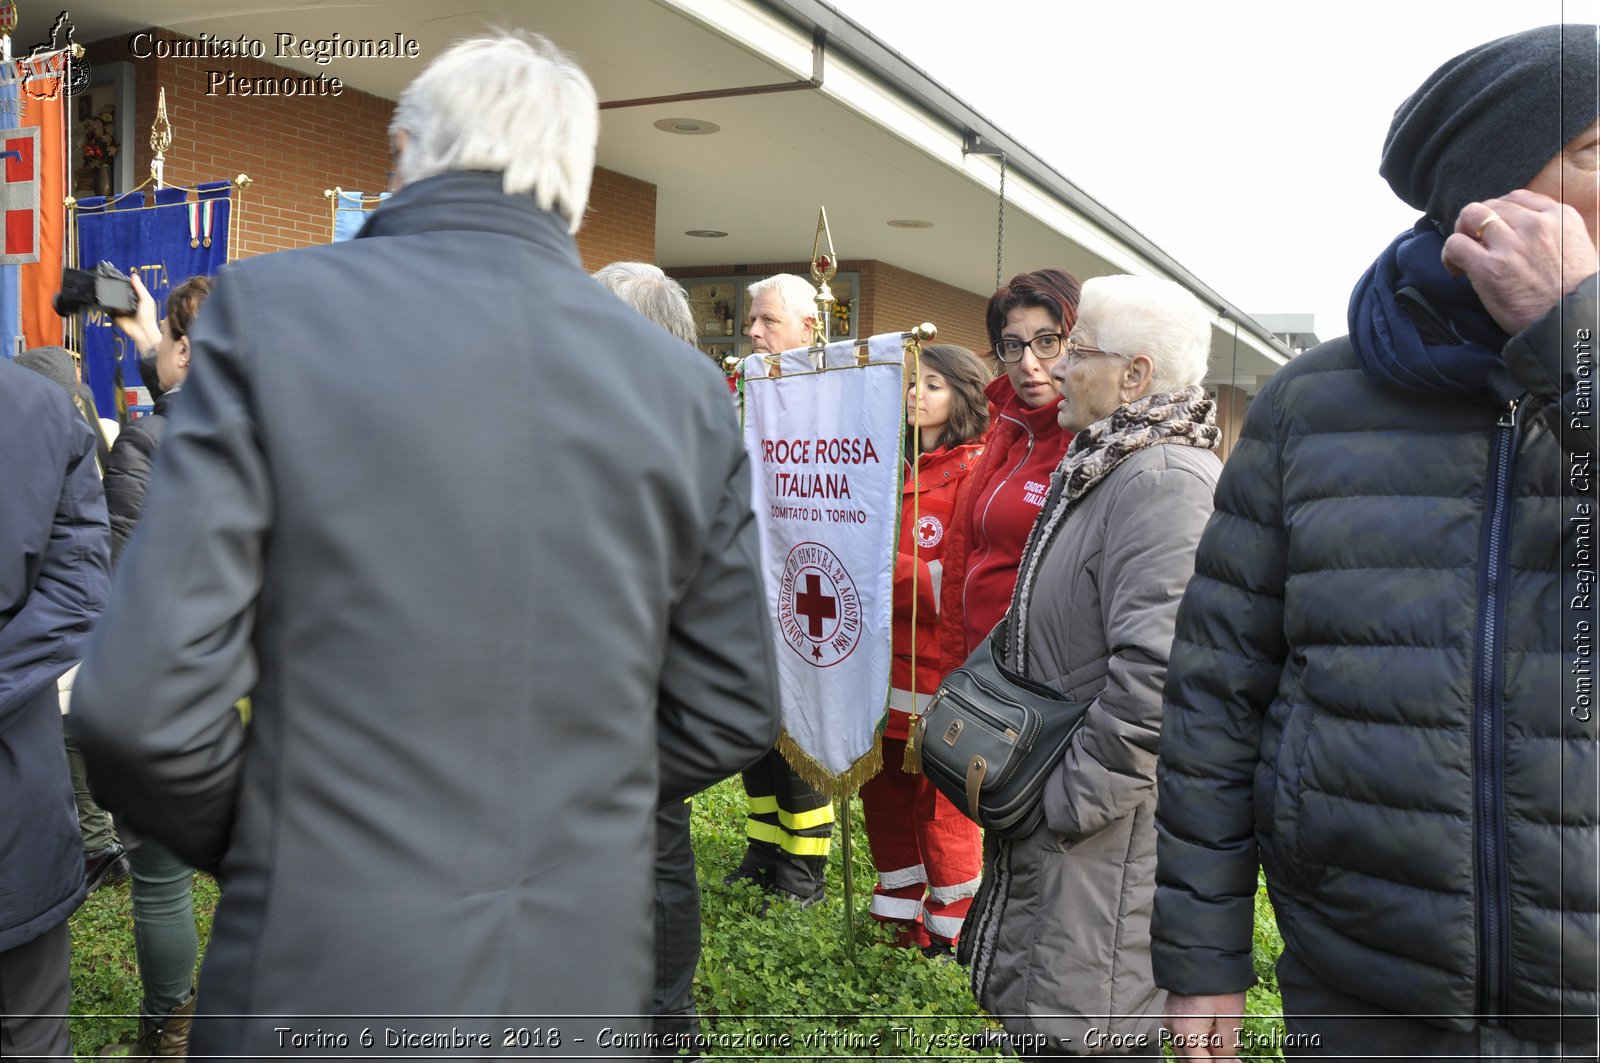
166	244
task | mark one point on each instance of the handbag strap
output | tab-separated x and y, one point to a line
977	768
1039	542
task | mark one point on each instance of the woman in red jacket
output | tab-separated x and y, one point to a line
1028	322
927	853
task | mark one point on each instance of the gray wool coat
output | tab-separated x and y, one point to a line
1060	934
476	538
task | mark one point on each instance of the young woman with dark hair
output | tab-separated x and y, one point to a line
926	851
1028	321
163	885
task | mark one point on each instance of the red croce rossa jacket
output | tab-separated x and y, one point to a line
994	512
928	501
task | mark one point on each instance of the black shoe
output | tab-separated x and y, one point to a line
103	867
799	901
939	952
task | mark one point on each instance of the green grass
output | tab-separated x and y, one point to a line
791	971
786	975
105	976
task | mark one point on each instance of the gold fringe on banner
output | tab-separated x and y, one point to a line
829	784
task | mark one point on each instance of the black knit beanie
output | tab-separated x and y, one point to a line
1490	119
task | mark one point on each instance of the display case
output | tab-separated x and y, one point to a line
720	307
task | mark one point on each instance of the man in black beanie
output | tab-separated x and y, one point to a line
1381	685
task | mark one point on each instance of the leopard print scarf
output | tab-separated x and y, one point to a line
1186	417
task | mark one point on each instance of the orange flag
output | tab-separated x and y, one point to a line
43	100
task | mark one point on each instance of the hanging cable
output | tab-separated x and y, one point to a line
1000	230
1233	393
974	144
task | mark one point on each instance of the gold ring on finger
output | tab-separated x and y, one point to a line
1485	224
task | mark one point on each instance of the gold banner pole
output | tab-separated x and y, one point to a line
160	141
332	196
824	264
911	763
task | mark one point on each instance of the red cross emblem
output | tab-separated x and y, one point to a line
819	609
815	606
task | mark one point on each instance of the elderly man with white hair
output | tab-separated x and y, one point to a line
789	823
482	641
651	292
647	289
1058	937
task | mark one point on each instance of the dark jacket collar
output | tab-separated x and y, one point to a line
1418	329
164	400
469	200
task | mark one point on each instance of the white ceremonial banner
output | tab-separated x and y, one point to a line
824	448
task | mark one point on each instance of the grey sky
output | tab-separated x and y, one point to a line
1241	136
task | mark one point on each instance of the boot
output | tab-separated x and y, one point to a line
166	1037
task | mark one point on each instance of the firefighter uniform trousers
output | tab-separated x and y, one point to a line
929	855
790	827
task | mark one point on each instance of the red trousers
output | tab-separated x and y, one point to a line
927	852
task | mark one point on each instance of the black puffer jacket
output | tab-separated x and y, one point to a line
1373	681
128	471
53	585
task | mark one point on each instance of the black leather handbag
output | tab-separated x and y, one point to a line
990	739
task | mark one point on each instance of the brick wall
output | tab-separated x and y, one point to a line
892	299
901	299
293	148
620	224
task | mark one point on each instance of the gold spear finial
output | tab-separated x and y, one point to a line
824	264
160	140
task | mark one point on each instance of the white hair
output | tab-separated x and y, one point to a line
795	293
651	292
511	103
1156	318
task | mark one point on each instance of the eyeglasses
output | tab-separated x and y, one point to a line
1077	352
1045	346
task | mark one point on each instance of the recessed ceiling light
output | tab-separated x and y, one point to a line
708	234
688	127
909	223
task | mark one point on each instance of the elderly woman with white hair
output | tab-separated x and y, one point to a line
1059	937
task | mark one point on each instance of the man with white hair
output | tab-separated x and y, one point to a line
790	822
651	292
661	299
483	642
